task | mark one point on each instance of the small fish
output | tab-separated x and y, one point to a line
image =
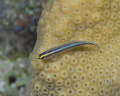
63	47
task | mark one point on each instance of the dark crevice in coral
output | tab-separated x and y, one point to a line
12	79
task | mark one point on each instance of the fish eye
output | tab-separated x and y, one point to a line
40	56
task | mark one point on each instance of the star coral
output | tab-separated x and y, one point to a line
84	70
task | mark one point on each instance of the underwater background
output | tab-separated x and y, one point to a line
18	23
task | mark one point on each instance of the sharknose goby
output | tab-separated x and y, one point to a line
63	47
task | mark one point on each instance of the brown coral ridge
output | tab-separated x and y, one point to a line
90	72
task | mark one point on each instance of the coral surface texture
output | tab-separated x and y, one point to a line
84	70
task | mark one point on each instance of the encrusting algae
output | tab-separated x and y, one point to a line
84	70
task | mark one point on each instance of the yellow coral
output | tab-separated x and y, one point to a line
84	70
